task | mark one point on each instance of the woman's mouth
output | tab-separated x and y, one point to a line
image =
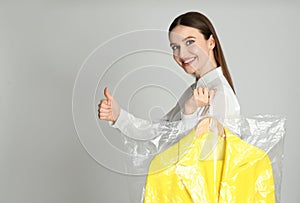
188	61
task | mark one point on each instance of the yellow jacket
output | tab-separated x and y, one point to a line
237	173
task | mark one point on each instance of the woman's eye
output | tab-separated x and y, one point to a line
188	42
174	47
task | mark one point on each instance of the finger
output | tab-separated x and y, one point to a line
109	103
104	110
101	117
205	92
199	91
196	93
107	94
104	106
104	116
205	96
103	101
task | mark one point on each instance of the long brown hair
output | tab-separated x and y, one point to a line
203	24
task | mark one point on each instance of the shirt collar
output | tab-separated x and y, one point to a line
209	77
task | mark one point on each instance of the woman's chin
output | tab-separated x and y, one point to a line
190	70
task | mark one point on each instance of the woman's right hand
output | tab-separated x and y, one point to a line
108	109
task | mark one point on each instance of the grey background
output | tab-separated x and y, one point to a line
43	45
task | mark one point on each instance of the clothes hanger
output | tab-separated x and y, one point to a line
213	145
209	123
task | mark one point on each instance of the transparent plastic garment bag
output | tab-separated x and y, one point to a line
213	164
237	159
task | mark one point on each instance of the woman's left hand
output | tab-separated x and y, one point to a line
201	97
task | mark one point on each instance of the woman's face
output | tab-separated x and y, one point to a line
191	50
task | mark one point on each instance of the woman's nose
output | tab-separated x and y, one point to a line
183	52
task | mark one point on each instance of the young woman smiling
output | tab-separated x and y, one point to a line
196	49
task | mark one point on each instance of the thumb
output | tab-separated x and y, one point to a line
107	94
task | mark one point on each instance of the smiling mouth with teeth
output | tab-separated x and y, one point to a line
186	62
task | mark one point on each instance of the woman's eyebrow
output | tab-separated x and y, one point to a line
188	38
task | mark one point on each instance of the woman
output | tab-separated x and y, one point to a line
197	50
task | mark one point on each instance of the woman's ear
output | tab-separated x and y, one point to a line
211	42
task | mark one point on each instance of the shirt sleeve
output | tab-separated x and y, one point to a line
171	126
142	129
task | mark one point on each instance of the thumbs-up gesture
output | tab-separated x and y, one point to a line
108	108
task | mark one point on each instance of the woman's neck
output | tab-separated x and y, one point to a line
199	75
209	66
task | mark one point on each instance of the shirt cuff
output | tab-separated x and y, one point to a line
189	116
